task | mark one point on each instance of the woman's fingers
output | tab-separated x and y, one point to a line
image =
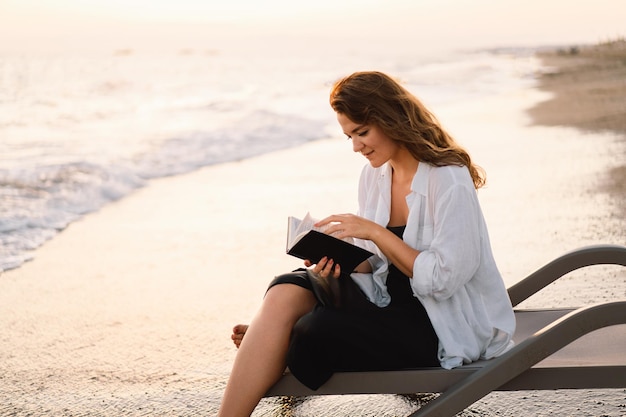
319	266
336	271
322	267
326	268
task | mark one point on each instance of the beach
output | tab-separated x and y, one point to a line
129	310
589	93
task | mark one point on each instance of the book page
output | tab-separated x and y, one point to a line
292	230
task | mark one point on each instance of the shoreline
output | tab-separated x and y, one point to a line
588	86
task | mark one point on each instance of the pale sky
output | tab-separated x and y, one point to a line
50	23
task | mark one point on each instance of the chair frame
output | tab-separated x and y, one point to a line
555	349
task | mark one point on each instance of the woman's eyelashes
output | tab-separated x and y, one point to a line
360	134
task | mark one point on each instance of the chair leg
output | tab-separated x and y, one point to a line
523	356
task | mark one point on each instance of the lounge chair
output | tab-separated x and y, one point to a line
555	349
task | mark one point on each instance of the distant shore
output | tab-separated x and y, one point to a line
589	93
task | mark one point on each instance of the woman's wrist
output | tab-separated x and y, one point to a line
376	233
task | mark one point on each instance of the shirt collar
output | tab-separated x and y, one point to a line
420	180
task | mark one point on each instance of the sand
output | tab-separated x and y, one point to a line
129	310
588	84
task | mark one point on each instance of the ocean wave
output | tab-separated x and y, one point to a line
77	133
40	200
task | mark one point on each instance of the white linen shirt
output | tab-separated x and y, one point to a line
455	275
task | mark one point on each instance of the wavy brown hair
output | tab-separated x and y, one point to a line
374	98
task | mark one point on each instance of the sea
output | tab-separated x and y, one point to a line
80	130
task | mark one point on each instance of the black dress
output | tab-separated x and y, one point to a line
357	335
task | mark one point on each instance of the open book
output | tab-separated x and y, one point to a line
305	241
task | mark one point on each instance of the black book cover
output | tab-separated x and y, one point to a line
315	245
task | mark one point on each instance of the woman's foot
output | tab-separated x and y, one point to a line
238	332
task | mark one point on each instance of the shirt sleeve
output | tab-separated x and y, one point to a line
453	255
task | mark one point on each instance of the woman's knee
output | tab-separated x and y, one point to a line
289	298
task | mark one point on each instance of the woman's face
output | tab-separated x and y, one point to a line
369	141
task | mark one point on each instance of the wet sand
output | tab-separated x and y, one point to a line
588	87
128	311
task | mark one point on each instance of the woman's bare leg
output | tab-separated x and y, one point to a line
261	357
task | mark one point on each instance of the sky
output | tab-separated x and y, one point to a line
50	24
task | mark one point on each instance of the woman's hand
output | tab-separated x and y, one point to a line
394	248
350	225
324	268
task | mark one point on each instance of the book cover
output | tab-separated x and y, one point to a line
305	242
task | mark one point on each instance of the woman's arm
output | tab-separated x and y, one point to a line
397	252
454	253
364	267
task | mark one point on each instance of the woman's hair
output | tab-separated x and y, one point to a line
377	99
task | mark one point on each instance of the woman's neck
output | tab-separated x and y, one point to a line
403	172
404	167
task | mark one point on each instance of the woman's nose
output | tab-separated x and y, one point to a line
357	146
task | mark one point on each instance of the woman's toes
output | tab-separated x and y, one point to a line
238	332
240	329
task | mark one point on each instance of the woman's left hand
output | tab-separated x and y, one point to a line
325	268
349	225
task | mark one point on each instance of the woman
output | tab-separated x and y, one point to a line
430	296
